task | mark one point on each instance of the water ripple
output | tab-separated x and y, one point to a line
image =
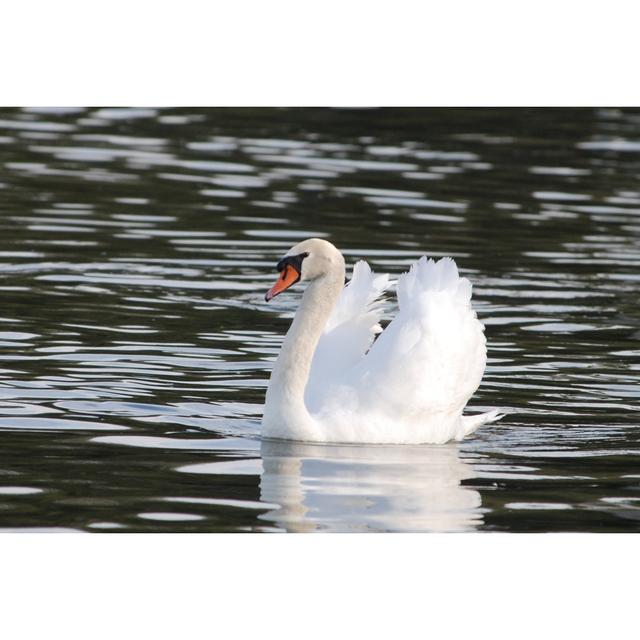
135	248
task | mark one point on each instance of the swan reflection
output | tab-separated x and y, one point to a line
368	488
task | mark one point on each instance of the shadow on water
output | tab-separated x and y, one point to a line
135	344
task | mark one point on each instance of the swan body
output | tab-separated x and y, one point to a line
332	383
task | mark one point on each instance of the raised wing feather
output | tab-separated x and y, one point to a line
418	376
349	333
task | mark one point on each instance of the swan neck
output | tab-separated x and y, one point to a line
291	370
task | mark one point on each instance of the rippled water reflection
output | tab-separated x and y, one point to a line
135	345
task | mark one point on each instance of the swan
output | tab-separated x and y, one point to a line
331	383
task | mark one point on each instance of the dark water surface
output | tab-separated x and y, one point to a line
135	344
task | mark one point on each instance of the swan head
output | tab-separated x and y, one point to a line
308	260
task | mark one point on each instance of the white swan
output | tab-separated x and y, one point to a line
330	385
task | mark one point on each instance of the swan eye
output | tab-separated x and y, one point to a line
293	261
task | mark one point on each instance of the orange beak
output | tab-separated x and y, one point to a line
288	277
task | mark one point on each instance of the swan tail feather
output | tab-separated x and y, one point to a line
472	423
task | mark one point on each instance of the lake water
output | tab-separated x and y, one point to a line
135	344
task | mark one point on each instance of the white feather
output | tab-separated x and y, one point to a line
348	334
414	383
